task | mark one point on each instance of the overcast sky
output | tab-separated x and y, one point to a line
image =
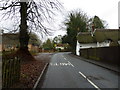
105	9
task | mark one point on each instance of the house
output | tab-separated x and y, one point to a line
10	41
99	38
59	47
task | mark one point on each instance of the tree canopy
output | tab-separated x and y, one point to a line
34	40
75	22
98	23
57	39
48	45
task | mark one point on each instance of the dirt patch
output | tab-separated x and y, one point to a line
30	71
44	57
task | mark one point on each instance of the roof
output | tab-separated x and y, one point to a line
10	38
85	37
102	35
13	39
99	35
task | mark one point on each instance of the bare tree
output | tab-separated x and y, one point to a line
31	15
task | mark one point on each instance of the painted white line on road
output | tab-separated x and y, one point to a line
83	75
65	58
90	81
71	64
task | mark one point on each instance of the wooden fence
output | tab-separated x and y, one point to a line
10	71
105	54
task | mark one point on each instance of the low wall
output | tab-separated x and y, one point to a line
106	54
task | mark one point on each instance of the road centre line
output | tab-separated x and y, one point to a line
89	81
65	58
71	64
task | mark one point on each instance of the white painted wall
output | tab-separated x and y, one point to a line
103	44
91	45
88	45
58	47
78	48
119	41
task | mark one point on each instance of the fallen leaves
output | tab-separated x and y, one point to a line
31	70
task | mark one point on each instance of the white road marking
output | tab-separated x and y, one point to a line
71	64
65	58
90	81
51	64
56	64
62	64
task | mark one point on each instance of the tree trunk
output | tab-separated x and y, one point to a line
23	36
74	45
23	52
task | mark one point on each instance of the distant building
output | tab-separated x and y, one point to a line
10	41
59	47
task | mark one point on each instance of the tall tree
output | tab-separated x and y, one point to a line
98	23
34	39
31	13
76	22
57	39
48	44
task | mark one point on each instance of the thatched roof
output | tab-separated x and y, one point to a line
110	34
99	35
85	37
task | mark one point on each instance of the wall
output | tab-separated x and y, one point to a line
103	44
33	48
88	45
105	54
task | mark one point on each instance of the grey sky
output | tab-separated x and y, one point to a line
105	9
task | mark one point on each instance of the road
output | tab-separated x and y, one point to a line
65	71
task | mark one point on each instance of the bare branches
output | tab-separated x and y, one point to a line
38	11
13	4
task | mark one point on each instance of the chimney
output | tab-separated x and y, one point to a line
93	27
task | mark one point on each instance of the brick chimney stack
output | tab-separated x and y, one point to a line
93	27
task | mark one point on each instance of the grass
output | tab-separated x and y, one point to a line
34	53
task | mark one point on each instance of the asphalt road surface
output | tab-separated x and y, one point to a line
65	71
